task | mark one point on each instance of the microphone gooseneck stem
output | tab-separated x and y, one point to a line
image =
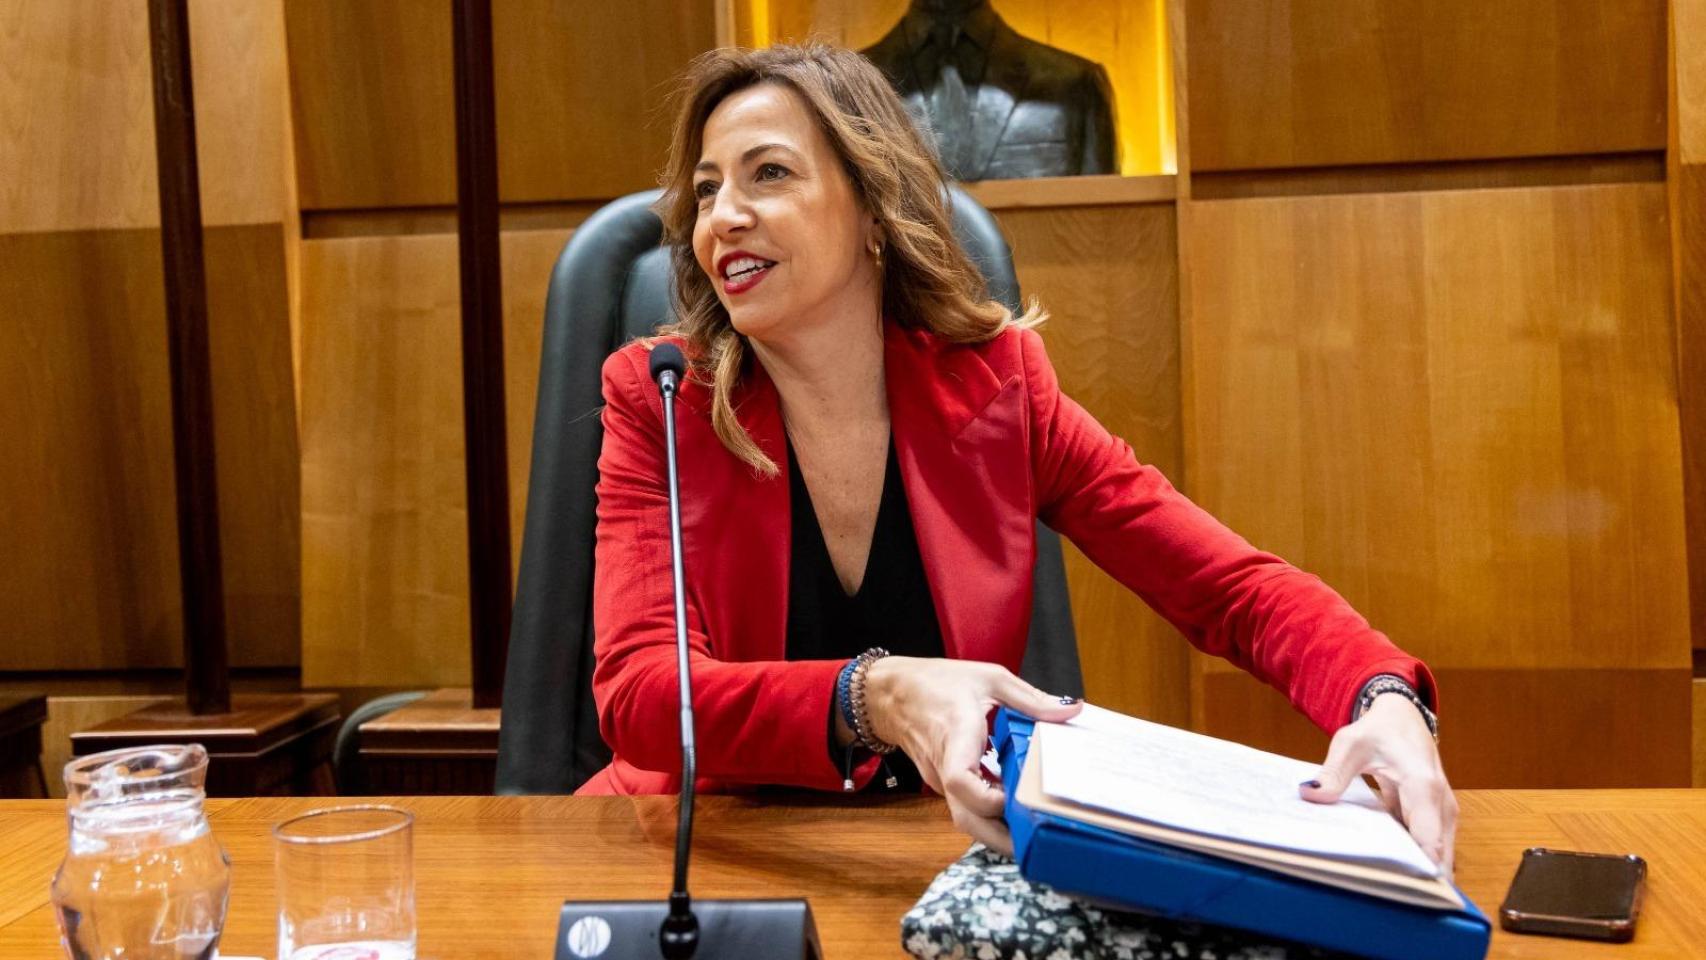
679	903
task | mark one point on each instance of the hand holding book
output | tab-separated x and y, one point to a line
1214	796
1391	742
937	710
1170	823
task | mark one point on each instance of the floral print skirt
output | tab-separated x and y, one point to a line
981	908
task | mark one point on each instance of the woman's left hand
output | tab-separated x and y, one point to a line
1391	742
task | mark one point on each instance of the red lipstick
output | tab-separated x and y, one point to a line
741	270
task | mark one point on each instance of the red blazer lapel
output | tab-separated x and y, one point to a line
735	525
958	433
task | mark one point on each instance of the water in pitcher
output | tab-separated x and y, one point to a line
143	877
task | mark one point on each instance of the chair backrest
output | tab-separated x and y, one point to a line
349	770
610	285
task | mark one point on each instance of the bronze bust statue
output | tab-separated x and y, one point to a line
998	104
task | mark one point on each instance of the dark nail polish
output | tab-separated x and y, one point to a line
1068	701
1311	783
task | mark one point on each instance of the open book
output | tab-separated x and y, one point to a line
1225	800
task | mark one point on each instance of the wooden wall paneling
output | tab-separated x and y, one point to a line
1688	80
1085	191
385	597
1700	731
1459	409
384	564
1538	729
91	532
515	217
1179	50
528	256
371	98
1687	183
581	87
92	568
1129	39
79	109
255	437
1251	329
76	75
1107	277
1308	83
242	110
1184	192
1643	167
1483	380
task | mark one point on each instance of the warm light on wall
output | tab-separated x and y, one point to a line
758	15
1129	39
1161	102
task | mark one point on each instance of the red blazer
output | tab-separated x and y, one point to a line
986	442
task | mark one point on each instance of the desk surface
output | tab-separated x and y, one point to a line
492	871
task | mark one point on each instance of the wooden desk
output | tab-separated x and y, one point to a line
492	871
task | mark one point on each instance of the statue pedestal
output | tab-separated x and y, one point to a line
270	744
440	744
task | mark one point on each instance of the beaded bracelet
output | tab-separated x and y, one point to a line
843	693
856	695
1391	683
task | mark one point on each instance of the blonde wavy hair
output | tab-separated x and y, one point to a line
928	280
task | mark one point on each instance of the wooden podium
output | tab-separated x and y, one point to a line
268	744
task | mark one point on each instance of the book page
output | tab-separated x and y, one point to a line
1187	781
1375	881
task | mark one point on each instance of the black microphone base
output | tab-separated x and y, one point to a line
728	930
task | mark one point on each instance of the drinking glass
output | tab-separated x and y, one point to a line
346	884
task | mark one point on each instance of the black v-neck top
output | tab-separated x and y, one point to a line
892	607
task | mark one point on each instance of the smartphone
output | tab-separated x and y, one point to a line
1595	896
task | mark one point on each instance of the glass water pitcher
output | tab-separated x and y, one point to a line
143	878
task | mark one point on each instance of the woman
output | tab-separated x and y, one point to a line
865	439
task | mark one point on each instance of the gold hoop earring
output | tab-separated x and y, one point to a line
877	251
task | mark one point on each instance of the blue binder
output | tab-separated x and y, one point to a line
1134	874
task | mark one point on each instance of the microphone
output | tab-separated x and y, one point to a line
712	929
679	936
668	366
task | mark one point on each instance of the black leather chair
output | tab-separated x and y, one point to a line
610	285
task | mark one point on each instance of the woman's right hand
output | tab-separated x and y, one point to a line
937	710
